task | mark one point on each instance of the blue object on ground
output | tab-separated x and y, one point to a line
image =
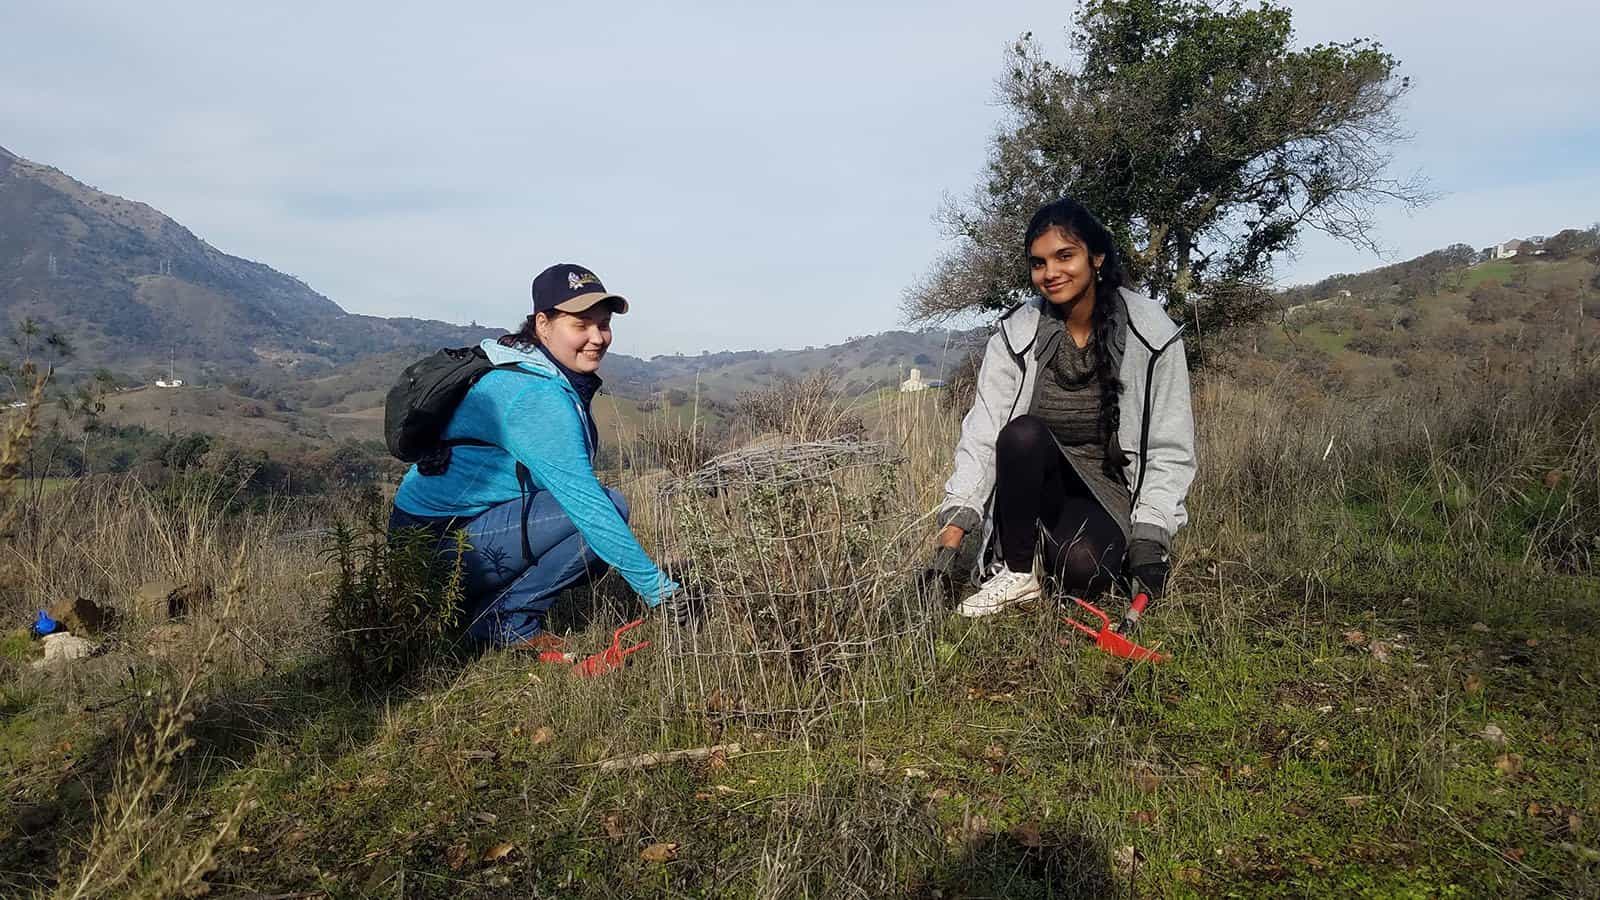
44	625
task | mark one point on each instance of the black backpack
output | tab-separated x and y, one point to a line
420	405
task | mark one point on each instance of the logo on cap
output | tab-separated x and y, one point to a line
577	280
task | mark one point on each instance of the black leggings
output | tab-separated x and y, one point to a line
1035	485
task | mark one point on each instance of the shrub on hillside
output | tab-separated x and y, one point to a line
396	600
669	443
813	408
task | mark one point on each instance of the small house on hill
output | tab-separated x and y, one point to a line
1508	249
916	383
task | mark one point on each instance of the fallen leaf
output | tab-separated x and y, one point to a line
612	823
485	818
1355	801
1355	637
973	825
725	790
1515	854
1473	685
875	766
478	754
938	794
1142	817
1147	781
914	772
498	851
994	752
1533	642
1493	734
1321	745
542	735
1191	875
1535	810
1027	834
1125	858
1480	628
1574	824
702	796
456	857
717	761
660	853
1508	763
1380	651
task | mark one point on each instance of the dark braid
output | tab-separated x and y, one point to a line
1105	295
1071	217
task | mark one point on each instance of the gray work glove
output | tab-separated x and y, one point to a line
940	573
1149	563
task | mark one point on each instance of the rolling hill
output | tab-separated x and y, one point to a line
128	286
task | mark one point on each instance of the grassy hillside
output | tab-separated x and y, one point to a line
1384	656
1382	628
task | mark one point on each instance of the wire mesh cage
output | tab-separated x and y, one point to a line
800	559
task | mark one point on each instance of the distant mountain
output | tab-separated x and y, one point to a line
128	286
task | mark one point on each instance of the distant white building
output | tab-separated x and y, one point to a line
915	383
164	383
1508	249
17	404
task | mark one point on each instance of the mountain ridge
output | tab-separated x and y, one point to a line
129	286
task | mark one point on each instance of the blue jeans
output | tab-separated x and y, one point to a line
508	592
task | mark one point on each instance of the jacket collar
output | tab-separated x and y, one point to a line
529	358
1020	326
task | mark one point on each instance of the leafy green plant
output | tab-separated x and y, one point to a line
396	599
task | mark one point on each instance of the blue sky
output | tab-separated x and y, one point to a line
751	177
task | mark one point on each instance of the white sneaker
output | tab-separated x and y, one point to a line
1008	588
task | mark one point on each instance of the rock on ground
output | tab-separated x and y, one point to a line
63	647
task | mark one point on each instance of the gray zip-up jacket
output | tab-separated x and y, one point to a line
1156	429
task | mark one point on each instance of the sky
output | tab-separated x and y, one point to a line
750	176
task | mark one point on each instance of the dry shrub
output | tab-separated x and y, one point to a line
813	408
670	443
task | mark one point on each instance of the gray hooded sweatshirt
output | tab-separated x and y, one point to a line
1156	429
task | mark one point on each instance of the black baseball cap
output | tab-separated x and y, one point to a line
572	289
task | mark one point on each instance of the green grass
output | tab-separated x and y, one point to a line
1496	271
1278	754
1323	338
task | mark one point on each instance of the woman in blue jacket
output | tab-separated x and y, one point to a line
532	537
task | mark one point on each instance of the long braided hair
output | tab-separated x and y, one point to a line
1072	218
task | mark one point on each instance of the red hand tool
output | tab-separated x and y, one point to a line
1110	641
607	660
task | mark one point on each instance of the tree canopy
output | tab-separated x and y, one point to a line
1199	134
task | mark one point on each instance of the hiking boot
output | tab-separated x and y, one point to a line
1006	589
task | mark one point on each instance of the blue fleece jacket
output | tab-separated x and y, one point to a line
536	417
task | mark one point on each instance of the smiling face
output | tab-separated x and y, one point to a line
1062	269
577	340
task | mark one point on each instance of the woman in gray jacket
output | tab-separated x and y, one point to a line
1080	433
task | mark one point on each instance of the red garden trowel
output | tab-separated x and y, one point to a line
1115	643
607	660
